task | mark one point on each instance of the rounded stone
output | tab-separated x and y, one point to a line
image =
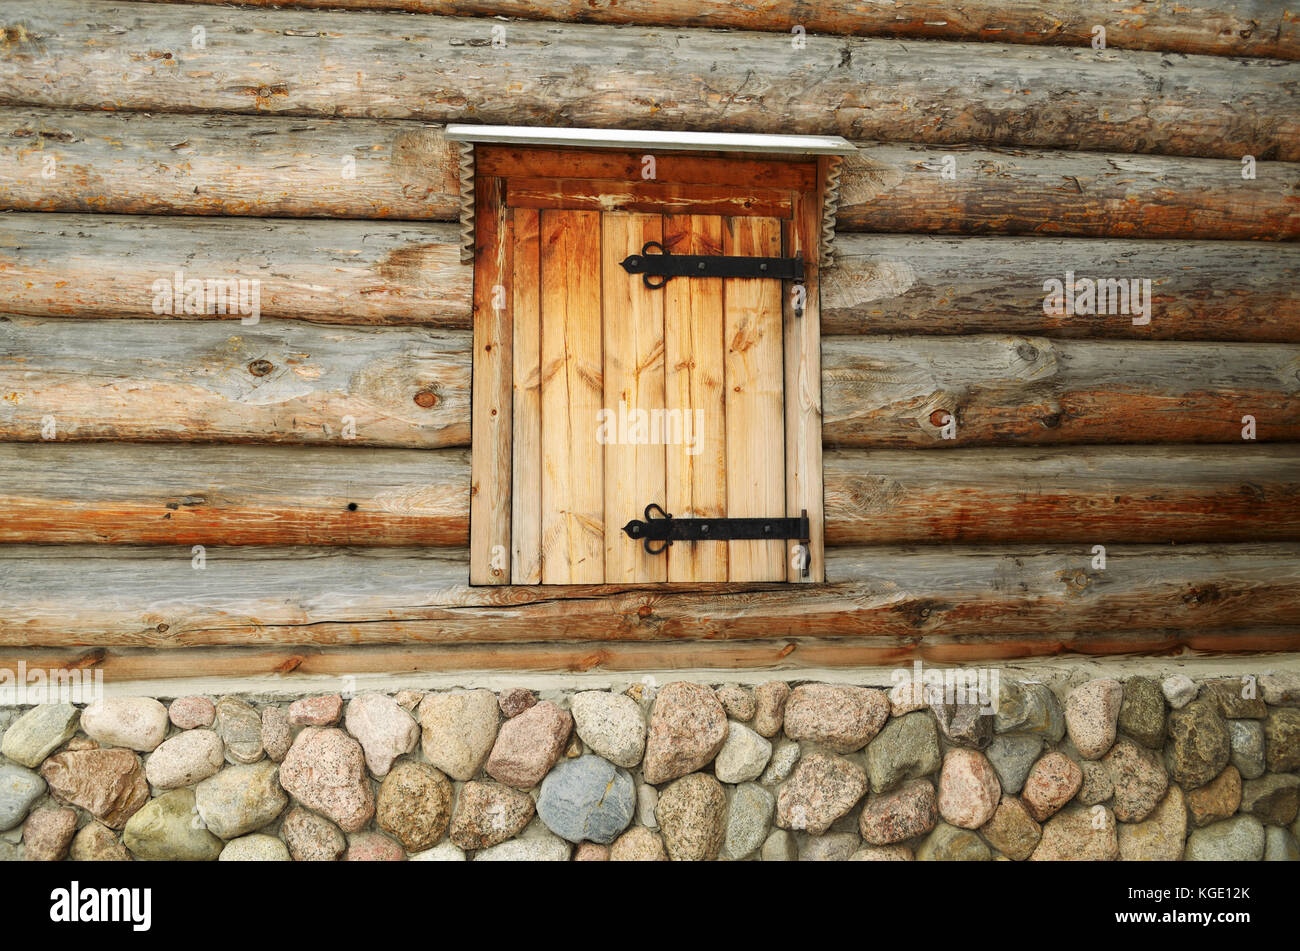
1142	712
277	735
1139	779
192	713
19	788
415	805
1052	782
316	711
692	812
1239	839
611	724
1246	739
638	844
883	853
240	799
167	829
1179	690
1273	799
373	847
96	842
687	729
1080	834
1092	716
312	838
743	756
325	770
136	723
255	848
738	702
39	732
240	728
1282	740
907	748
489	813
780	847
528	745
515	701
1159	837
843	719
185	759
1012	756
459	729
951	844
1217	799
822	789
910	811
588	799
384	730
769	707
109	784
968	789
1012	830
1199	745
832	847
749	816
48	832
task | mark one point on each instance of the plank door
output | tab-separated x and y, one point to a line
623	396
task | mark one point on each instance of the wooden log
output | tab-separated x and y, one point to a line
1205	290
278	382
288	669
265	166
107	596
962	190
1223	27
1093	496
215	495
944	392
359	272
332	271
141	56
272	166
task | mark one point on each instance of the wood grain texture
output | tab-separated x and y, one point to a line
266	166
327	271
1092	496
669	168
493	384
906	188
226	495
895	392
106	596
1222	27
1205	290
695	359
573	494
650	197
280	381
138	56
631	318
755	395
138	163
526	415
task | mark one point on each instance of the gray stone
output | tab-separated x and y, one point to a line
1280	689
39	732
963	724
535	848
1142	712
447	852
950	844
907	748
1012	755
780	847
647	797
19	788
240	728
255	848
1198	747
1273	799
1179	690
748	818
1239	839
1280	846
785	754
135	723
1246	738
166	829
743	756
185	759
460	728
611	724
587	799
1029	708
832	847
240	799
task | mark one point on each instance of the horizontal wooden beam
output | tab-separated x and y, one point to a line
371	273
944	392
234	495
240	495
109	596
141	56
1222	27
1086	496
285	667
277	382
273	166
332	271
1204	290
963	190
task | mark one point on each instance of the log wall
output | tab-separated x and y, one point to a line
980	449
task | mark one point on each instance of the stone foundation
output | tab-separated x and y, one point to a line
1142	768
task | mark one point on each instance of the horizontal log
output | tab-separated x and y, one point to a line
219	495
360	272
265	166
331	271
277	382
273	166
1204	290
1087	496
944	392
215	495
1221	27
963	190
141	56
107	596
289	668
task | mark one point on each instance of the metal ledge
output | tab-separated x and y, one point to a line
642	139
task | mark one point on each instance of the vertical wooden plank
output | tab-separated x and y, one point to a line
634	428
573	548
696	471
526	493
803	389
490	419
755	406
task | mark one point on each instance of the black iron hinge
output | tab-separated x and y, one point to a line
665	265
666	529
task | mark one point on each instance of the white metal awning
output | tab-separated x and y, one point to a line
645	139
